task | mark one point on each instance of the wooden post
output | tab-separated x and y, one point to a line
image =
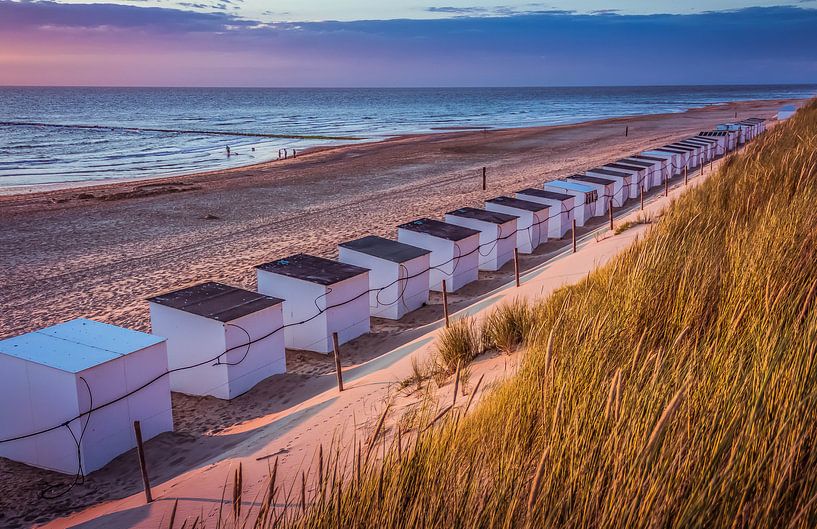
666	187
445	304
626	131
516	265
574	235
484	180
686	175
642	197
140	450
336	348
611	214
711	164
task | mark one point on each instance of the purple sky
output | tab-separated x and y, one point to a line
47	43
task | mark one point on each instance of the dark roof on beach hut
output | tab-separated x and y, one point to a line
383	248
592	179
313	269
541	193
216	301
641	163
631	167
651	158
439	229
518	203
494	217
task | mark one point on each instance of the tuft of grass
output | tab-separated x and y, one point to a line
624	226
458	344
417	377
507	327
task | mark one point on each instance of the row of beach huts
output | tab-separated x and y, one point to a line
73	390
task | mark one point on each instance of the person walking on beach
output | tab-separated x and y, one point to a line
228	151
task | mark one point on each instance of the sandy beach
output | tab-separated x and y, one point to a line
99	251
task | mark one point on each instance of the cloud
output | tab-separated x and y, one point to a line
49	42
33	15
497	11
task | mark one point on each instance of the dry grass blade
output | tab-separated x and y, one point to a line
238	487
173	514
438	417
663	421
473	394
376	433
537	479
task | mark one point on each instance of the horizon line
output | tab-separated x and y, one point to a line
415	87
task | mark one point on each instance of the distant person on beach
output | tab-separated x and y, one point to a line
228	150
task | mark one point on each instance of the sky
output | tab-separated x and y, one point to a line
406	42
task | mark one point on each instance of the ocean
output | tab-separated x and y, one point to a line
60	135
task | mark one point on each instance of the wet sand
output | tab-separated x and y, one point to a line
99	251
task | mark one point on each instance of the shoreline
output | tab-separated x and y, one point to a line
32	189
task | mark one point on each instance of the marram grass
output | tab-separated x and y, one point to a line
675	387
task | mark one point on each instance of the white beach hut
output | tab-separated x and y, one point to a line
532	223
684	157
655	169
729	137
638	175
693	157
560	219
497	234
398	274
321	296
73	376
236	335
754	127
672	162
701	150
755	122
758	123
662	162
748	128
721	145
626	176
454	251
610	192
741	130
585	199
704	149
709	145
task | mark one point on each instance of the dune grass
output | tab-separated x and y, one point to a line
674	387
